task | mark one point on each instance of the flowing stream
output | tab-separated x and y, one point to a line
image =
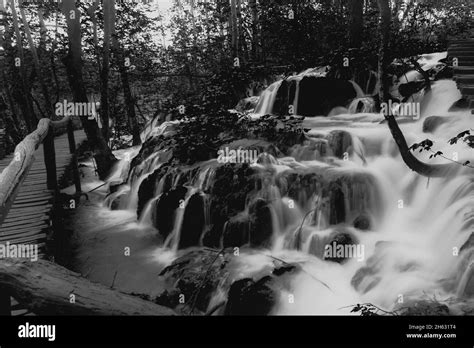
410	227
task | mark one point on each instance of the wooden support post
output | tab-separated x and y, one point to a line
72	151
5	303
50	160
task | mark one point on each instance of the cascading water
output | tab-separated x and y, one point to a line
346	183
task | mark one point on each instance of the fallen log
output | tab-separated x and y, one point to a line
46	288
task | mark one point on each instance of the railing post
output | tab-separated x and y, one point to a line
50	160
72	151
5	303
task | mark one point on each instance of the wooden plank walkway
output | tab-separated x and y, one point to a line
28	220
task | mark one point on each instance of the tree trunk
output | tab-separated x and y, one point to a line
129	99
109	24
384	33
73	62
255	31
240	30
234	29
356	22
25	101
410	160
34	53
46	288
10	123
43	30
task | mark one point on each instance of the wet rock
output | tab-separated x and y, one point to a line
352	194
247	297
365	279
337	211
165	210
406	90
445	72
311	149
247	104
340	142
467	290
152	145
338	240
282	99
237	231
228	197
469	243
461	104
250	297
319	95
115	186
260	146
301	186
424	308
261	226
148	187
193	222
432	123
363	222
195	277
116	203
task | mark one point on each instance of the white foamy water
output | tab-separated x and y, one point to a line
408	251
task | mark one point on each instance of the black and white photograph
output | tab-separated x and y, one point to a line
231	162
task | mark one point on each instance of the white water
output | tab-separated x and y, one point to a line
415	259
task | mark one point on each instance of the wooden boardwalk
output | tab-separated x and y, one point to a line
28	220
461	56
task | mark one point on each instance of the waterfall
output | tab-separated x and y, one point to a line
346	183
267	99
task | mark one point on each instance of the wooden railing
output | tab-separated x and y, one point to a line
23	157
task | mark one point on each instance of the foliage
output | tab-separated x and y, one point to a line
427	145
200	137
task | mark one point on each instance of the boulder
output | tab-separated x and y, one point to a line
247	104
423	308
469	243
250	297
236	231
165	210
193	222
341	238
363	222
148	187
191	280
261	226
431	123
319	95
231	185
461	104
340	142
